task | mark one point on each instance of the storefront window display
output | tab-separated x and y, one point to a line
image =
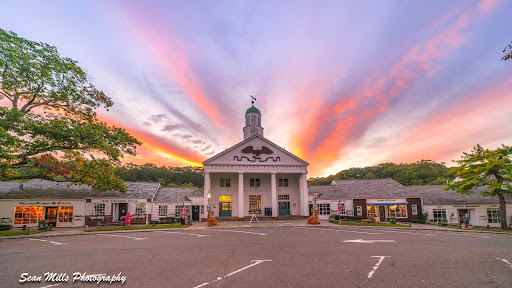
28	214
66	214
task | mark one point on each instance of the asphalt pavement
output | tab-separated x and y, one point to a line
290	255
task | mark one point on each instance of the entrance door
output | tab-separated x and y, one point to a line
461	215
122	210
382	213
284	208
224	209
51	215
311	209
195	213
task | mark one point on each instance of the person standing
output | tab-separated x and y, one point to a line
465	221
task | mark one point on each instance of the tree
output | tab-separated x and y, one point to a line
490	169
48	120
509	55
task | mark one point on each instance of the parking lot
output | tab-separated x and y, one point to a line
337	256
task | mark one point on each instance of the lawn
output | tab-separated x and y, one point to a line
115	228
19	232
353	223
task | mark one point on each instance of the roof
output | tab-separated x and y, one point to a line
207	161
45	189
435	195
253	109
168	194
362	189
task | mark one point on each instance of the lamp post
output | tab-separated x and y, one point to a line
314	218
211	220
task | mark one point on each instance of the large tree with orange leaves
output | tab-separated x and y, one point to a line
48	123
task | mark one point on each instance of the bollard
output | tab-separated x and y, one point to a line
28	230
86	227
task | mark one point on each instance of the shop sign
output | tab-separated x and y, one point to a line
466	206
44	203
122	201
381	201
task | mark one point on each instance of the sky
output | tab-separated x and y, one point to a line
340	84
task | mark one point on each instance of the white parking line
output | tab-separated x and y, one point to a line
53	242
256	262
235	231
463	234
349	231
377	265
191	234
506	261
122	236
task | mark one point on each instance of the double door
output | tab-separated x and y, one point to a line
224	209
284	208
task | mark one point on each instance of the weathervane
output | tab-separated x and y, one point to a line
253	99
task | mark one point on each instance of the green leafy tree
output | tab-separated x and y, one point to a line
491	169
48	120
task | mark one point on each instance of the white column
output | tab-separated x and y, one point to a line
206	190
304	184
241	195
273	187
301	196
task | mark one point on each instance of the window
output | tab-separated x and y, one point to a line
225	198
255	203
343	211
98	209
359	210
27	214
414	209
401	211
247	122
283	197
225	182
140	208
283	182
324	209
66	214
162	210
254	182
177	213
493	215
439	214
202	210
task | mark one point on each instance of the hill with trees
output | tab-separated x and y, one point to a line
424	172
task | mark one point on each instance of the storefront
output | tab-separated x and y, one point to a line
60	213
111	211
384	209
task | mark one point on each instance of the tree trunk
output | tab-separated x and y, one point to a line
503	211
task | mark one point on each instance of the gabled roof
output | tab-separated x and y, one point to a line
435	195
45	189
362	189
171	194
209	160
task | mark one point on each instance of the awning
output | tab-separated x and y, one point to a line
385	204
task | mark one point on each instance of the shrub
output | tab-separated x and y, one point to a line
5	226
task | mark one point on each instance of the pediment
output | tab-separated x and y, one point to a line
255	150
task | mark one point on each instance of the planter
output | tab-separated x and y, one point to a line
97	218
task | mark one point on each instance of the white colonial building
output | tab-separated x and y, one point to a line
256	176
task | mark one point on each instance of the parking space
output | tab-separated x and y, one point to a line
279	256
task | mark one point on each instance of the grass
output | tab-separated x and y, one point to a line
19	232
115	228
352	223
483	229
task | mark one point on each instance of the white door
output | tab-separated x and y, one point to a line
115	213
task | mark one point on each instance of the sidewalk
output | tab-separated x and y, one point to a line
243	224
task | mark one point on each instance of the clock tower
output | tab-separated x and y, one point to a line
252	122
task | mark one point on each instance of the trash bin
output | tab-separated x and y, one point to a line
267	211
392	220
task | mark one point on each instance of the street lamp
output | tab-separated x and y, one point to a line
210	220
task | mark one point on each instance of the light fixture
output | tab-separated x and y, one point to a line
209	195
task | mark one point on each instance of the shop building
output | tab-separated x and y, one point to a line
381	198
65	204
450	205
169	202
255	176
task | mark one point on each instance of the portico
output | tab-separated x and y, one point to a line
256	176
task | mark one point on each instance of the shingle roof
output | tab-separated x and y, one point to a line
169	194
357	189
45	189
435	195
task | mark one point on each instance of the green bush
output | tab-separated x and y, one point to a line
5	226
337	217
